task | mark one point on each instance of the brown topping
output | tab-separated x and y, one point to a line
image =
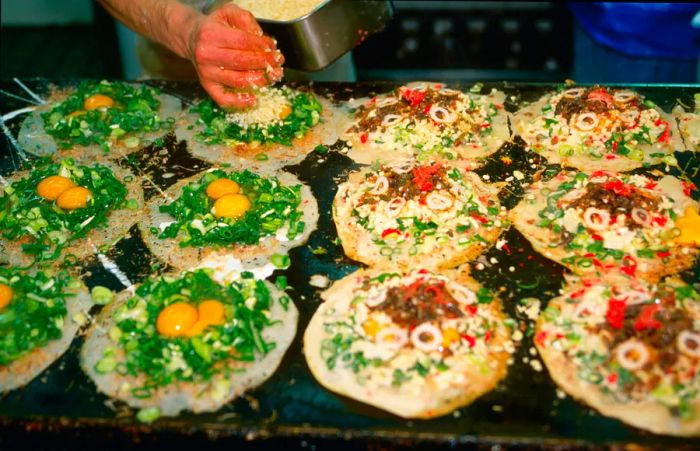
419	302
594	100
598	196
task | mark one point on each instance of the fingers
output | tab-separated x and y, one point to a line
239	18
241	79
219	35
226	98
239	59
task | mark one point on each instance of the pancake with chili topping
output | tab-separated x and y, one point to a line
598	128
408	213
427	121
689	124
646	228
627	348
418	344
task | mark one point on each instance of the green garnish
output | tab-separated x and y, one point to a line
35	314
163	360
134	113
101	295
218	129
273	206
24	214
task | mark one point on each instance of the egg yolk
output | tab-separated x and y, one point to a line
286	111
175	319
74	198
231	206
689	225
53	186
5	295
211	313
98	101
221	187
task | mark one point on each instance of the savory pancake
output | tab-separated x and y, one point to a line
627	348
40	313
599	222
689	124
234	213
417	344
408	213
187	342
426	121
598	128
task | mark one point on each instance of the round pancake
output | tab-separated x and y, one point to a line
120	220
427	121
689	125
583	334
256	156
23	370
582	120
365	352
197	396
170	251
34	139
376	222
646	247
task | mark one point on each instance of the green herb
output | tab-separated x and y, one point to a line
273	206
101	295
484	296
148	415
134	113
36	312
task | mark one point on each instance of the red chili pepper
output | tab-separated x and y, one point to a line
363	138
577	294
612	378
658	122
650	184
610	156
618	187
614	146
688	187
437	294
486	125
479	218
389	232
663	254
487	337
498	106
660	220
646	319
471	340
471	309
422	271
414	97
426	110
422	176
541	337
599	173
666	135
616	313
506	248
596	237
629	265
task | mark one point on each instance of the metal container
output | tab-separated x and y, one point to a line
315	40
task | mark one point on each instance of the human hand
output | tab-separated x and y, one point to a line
229	51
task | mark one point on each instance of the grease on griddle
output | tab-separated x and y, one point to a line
162	164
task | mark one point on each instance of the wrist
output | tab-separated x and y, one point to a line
182	30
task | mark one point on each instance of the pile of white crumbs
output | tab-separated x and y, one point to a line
272	106
283	10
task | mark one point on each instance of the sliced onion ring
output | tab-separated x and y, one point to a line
393	208
688	342
402	167
628	362
441	115
596	225
392	337
461	294
624	96
386	102
630	115
573	93
587	121
641	216
390	120
432	343
381	186
438	202
449	92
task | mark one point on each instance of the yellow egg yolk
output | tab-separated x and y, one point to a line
74	198
53	186
211	313
175	319
689	225
286	111
98	101
221	187
182	319
231	206
5	295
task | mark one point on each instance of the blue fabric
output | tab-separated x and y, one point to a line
596	63
648	30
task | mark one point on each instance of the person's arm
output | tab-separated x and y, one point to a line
227	47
